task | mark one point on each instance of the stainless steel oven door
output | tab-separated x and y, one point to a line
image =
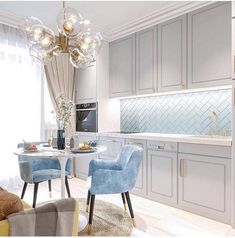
86	120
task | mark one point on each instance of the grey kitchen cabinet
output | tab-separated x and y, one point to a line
204	184
209	45
85	85
172	54
141	182
122	67
162	172
113	146
146	65
82	163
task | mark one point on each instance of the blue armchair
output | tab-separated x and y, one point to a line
37	170
110	177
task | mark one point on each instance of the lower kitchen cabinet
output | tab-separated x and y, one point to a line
113	146
204	185
82	166
141	182
162	177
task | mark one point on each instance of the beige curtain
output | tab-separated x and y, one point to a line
60	76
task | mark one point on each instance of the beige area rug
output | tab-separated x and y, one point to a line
108	219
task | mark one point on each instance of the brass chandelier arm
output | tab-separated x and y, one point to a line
63	42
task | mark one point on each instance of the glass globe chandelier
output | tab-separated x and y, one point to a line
75	38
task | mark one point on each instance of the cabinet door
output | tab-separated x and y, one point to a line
82	163
146	78
204	186
209	46
162	177
113	146
172	54
86	85
122	67
141	182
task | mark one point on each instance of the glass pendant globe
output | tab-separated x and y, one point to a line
90	43
42	36
27	23
41	56
69	22
78	60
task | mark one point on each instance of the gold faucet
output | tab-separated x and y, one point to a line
214	118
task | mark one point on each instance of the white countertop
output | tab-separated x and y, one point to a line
196	139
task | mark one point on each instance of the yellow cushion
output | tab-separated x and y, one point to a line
5	228
76	221
4	225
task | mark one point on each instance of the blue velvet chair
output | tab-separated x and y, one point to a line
36	170
110	177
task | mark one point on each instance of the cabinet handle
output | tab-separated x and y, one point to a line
181	168
110	141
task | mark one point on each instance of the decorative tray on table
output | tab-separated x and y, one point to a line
84	148
83	151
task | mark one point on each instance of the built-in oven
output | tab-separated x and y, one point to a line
86	117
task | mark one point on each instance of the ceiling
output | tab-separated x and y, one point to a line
106	16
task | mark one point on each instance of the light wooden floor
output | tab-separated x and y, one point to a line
153	218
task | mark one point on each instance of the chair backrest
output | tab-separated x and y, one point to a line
130	159
126	154
38	163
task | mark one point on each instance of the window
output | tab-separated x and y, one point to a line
49	127
20	101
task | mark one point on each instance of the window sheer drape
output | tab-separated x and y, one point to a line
20	101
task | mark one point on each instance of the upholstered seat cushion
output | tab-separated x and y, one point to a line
47	174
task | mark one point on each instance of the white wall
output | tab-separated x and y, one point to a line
233	117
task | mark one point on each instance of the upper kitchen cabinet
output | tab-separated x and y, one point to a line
122	67
209	46
86	85
146	78
172	54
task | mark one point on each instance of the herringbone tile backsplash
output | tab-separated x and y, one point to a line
186	113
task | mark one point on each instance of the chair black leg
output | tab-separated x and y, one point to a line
67	186
91	214
124	200
24	189
130	208
35	193
49	186
88	200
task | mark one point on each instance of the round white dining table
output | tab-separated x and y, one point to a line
61	155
